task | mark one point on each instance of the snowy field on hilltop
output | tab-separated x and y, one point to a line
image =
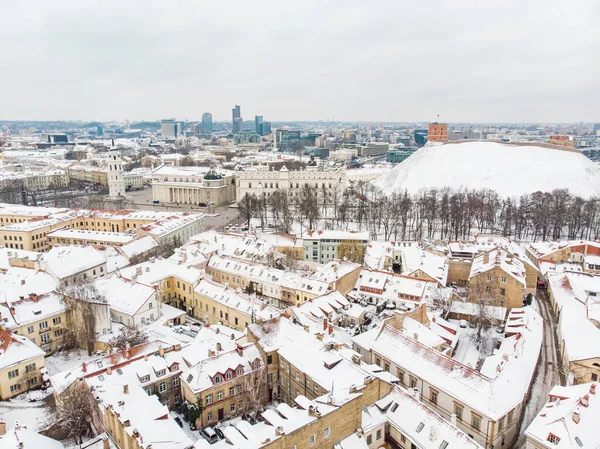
511	170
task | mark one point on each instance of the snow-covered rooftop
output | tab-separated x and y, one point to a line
569	420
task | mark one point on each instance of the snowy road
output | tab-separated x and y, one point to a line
548	373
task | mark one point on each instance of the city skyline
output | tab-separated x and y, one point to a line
499	62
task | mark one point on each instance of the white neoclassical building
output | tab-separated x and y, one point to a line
193	185
260	180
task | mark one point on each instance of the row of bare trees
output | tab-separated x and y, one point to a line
434	213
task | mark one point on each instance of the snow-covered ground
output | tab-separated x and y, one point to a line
511	170
467	352
28	409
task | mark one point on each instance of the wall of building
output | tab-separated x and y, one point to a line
23	376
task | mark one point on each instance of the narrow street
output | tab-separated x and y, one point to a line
549	368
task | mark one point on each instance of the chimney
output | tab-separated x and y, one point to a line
279	430
2	428
593	388
432	433
138	271
324	323
416	336
219	347
22	281
105	443
335	267
84	367
13	311
330	329
109	370
145	357
125	389
453	419
161	351
576	415
240	350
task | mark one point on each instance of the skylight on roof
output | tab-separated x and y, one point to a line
420	427
578	441
444	444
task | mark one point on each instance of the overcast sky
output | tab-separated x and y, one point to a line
392	60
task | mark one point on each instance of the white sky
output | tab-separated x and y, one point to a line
388	60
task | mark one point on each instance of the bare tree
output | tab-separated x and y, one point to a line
254	391
484	293
74	411
247	206
442	300
128	337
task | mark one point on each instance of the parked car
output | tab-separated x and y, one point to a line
219	432
209	435
463	324
155	202
202	204
178	421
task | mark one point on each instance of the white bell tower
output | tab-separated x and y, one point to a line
116	183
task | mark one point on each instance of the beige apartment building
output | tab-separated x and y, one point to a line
226	384
20	365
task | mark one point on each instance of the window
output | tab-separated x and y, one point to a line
15	387
162	387
400	375
12	374
239	371
208	399
316	389
145	379
269	357
475	421
209	416
176	382
510	417
220	395
553	438
402	438
369	439
228	375
413	382
45	338
313	440
433	396
489	278
43	325
231	391
594	377
232	407
503	291
378	434
217	379
30	368
458	411
239	389
149	305
30	329
58	331
501	424
56	320
161	373
326	432
503	280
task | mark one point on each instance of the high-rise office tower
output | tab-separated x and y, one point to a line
258	124
207	126
236	115
266	128
167	128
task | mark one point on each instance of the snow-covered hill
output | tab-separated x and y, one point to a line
511	170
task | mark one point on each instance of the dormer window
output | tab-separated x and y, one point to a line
553	438
217	379
160	373
239	371
228	375
145	378
174	368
